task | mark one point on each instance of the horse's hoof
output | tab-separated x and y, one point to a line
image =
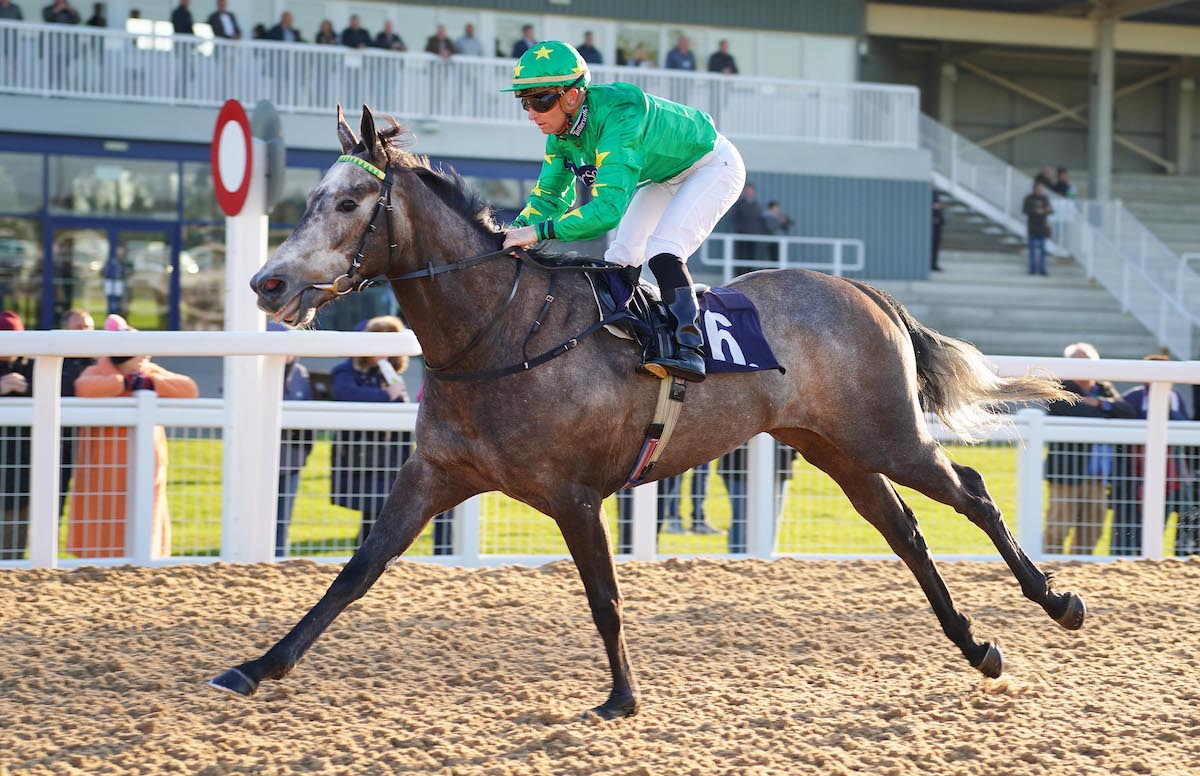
1076	611
234	681
992	664
615	708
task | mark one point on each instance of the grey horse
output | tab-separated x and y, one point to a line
861	373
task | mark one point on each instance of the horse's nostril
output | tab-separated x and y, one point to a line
271	285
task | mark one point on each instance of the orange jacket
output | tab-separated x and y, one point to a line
99	508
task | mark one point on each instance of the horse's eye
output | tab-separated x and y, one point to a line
347	206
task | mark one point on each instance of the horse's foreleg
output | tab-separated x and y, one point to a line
876	500
582	526
419	493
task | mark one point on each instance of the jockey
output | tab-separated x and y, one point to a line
658	171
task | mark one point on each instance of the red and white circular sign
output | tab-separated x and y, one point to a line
231	158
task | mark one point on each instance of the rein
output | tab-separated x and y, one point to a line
520	254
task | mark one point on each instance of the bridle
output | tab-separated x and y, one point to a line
384	205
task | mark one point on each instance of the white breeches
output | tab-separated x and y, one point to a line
677	215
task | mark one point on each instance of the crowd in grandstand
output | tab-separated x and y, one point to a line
225	25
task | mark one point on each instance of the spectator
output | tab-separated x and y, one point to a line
97	19
640	58
722	61
525	42
681	57
588	50
285	32
778	224
355	36
1078	472
1062	185
439	44
467	44
181	18
98	497
295	445
135	14
1127	496
10	11
388	39
60	12
259	32
748	218
16	380
1037	212
72	320
935	242
1045	177
325	35
224	24
365	463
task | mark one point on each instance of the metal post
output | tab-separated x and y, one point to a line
645	521
954	159
760	497
729	243
468	530
1100	117
1030	478
1008	200
141	484
1154	500
44	462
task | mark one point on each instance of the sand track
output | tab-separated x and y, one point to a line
745	667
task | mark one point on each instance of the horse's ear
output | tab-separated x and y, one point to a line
370	139
345	134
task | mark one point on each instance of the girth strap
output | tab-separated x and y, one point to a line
672	391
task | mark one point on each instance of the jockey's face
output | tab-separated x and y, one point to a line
554	121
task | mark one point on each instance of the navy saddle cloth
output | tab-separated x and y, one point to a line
732	332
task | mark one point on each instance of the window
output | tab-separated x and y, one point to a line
98	186
21	188
21	267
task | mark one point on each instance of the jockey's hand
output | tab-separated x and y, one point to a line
520	237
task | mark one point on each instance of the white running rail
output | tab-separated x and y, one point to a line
734	254
164	69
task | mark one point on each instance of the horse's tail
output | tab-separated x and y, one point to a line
959	385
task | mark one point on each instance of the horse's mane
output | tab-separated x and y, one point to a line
456	193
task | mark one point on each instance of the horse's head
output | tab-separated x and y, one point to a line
317	262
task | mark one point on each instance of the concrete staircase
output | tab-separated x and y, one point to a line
966	230
988	298
1169	206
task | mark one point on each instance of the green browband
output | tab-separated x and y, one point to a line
378	173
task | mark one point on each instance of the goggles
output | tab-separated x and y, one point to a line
545	101
540	103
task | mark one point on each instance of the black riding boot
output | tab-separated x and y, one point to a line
675	283
686	363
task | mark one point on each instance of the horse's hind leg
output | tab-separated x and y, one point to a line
580	517
876	500
962	487
420	492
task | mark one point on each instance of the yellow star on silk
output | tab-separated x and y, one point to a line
543	53
597	186
537	192
571	214
601	156
576	69
549	158
517	70
529	211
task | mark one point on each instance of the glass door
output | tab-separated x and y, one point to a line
109	269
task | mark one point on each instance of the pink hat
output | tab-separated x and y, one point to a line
115	322
10	321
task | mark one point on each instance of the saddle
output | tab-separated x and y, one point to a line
645	318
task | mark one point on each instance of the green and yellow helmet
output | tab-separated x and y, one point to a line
550	63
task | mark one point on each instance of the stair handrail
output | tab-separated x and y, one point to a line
1079	227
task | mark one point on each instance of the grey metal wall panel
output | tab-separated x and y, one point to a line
840	17
893	218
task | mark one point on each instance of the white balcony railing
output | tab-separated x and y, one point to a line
100	64
488	530
734	254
